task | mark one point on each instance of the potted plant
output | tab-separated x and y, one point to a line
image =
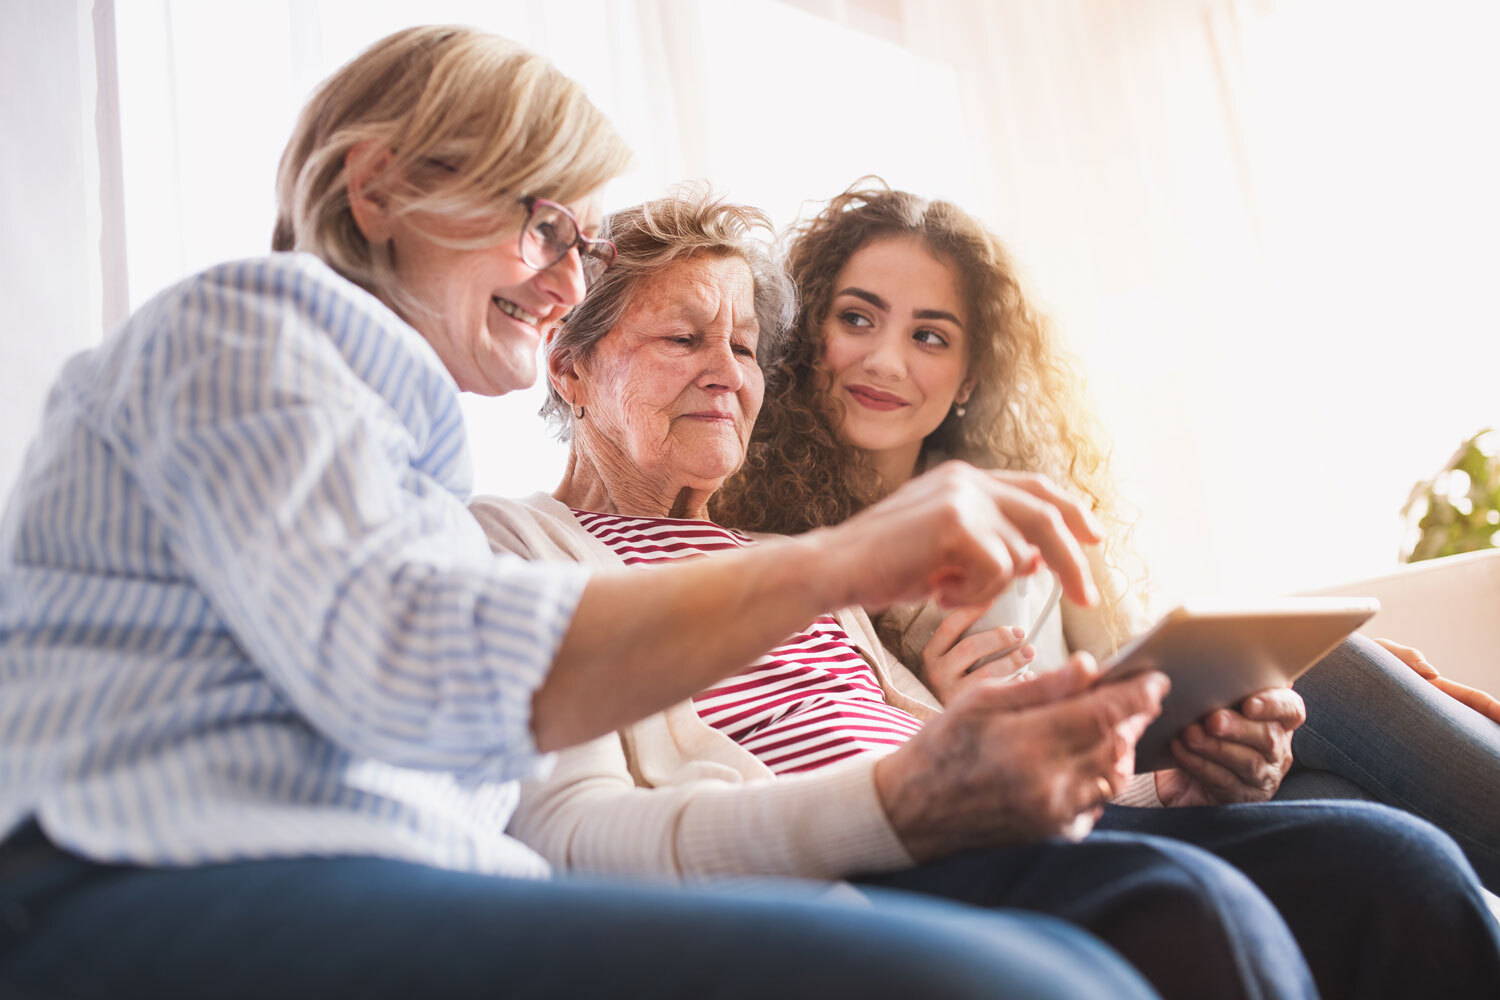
1458	509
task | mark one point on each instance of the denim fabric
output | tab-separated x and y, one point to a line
372	928
1193	925
1372	721
1218	902
1381	903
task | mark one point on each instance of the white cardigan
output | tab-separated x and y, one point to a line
672	796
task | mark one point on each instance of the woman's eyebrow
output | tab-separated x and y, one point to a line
884	306
938	314
870	297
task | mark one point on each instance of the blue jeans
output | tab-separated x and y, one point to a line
1217	902
369	928
1373	722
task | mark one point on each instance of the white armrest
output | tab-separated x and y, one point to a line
1448	608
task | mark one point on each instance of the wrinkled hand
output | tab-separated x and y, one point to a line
1234	756
1012	763
948	654
1476	699
961	534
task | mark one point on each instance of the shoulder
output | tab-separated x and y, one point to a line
282	301
537	527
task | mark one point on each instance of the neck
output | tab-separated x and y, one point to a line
600	484
895	466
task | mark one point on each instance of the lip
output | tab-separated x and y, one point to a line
874	399
516	324
538	314
711	416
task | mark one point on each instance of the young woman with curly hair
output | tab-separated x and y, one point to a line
913	343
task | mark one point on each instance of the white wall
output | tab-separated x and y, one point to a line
50	283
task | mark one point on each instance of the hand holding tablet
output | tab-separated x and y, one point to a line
1219	654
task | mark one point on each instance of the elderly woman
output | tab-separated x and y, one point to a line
825	758
265	692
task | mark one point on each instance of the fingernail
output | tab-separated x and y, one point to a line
1254	705
1018	631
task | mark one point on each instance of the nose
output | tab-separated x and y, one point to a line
563	281
721	370
884	357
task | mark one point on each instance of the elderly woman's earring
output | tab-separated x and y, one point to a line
578	413
959	409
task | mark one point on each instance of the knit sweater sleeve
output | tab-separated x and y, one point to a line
591	815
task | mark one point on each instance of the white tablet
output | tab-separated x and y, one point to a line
1219	654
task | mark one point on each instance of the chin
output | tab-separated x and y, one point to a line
509	376
872	439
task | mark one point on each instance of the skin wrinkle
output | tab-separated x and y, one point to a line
486	351
638	448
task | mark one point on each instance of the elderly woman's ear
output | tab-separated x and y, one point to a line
370	205
562	371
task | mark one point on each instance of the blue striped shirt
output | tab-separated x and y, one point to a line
244	611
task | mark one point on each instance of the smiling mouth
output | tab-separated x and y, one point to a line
874	399
515	312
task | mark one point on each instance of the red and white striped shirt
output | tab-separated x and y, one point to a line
809	702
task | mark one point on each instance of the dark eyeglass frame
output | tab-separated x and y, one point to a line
595	255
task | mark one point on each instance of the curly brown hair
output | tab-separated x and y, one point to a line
1026	411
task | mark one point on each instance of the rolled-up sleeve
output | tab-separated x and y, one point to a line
306	456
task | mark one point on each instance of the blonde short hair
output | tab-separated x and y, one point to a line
473	121
650	238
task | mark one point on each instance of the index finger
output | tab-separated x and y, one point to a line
1045	526
1080	520
1097	714
954	624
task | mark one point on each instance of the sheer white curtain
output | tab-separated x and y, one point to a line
52	283
1263	227
1267	228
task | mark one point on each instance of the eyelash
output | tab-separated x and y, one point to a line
741	349
860	321
942	341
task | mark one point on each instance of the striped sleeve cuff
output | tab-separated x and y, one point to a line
1139	791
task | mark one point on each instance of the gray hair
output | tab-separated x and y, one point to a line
650	239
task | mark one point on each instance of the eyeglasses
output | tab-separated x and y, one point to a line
551	231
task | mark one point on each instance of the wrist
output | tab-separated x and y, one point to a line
910	810
816	563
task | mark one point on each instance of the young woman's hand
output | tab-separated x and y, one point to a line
949	654
1013	763
1234	756
1485	704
